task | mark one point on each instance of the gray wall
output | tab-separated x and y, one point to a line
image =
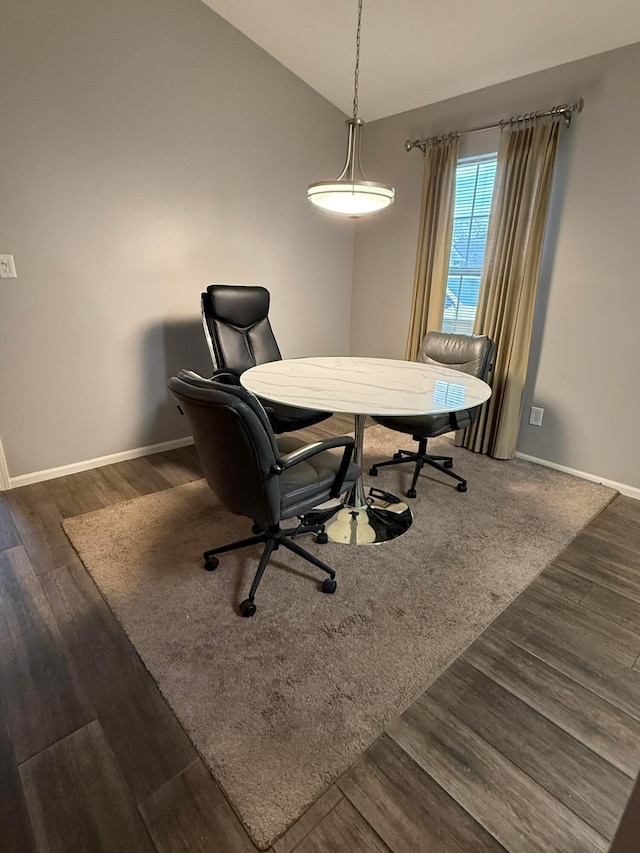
148	149
585	350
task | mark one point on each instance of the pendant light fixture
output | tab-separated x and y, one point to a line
351	194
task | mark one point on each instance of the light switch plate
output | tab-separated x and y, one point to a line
7	267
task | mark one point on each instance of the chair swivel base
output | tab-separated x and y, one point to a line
304	527
380	518
273	537
421	458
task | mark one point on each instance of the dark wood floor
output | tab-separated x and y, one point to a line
529	742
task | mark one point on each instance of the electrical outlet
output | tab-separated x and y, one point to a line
535	418
7	267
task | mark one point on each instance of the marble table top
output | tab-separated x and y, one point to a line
366	386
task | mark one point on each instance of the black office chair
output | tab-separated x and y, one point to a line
254	474
471	354
238	331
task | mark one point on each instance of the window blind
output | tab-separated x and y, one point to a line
475	178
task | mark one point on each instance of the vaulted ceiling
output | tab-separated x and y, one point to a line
417	52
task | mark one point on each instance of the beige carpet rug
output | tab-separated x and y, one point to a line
281	704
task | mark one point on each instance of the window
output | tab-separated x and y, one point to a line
475	177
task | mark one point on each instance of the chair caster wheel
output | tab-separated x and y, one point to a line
461	487
448	463
256	529
322	538
373	472
397	455
329	585
247	608
211	564
411	493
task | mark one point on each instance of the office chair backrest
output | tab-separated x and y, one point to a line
235	444
471	354
236	323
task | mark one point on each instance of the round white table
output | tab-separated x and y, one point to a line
366	386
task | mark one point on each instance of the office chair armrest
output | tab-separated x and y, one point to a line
456	419
226	375
464	418
309	450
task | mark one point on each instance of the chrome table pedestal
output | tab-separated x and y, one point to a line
364	519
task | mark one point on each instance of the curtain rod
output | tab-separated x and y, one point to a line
563	110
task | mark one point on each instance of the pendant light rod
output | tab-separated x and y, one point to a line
356	76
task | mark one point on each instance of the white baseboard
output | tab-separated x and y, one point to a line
75	467
5	481
629	491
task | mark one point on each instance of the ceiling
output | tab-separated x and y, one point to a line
416	52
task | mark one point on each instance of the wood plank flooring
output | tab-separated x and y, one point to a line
528	743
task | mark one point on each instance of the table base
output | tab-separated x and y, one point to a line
384	517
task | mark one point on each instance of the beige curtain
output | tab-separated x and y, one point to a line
434	243
510	277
